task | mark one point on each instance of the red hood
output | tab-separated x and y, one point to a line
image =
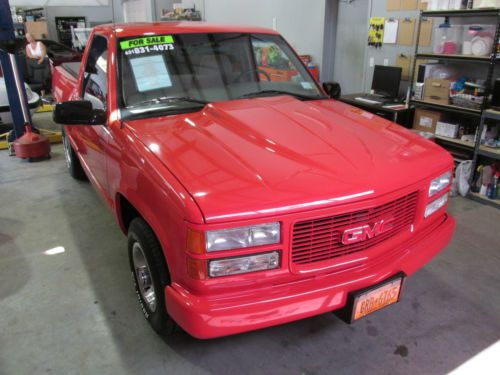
252	157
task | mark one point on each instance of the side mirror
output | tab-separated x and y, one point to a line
78	112
332	89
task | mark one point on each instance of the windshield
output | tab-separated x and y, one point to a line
182	72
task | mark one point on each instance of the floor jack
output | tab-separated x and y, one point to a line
53	136
30	145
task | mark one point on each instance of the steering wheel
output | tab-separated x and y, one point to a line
258	70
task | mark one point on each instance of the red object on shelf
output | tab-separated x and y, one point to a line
307	59
314	71
31	145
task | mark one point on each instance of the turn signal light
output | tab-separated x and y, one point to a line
197	268
195	241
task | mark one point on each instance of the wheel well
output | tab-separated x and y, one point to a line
127	212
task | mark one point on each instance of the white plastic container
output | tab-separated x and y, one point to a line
438	4
448	39
446	129
478	39
456	5
478	4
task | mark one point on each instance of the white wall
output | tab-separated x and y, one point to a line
137	11
352	57
388	51
91	14
159	5
110	12
301	22
350	45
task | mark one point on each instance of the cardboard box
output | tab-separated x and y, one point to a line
426	120
437	90
446	129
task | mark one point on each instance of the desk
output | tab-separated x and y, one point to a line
399	116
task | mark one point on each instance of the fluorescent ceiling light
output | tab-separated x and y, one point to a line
51	3
55	250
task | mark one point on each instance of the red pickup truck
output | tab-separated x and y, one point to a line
250	198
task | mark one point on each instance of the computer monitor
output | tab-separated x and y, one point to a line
386	81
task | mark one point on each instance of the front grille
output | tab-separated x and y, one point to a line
321	239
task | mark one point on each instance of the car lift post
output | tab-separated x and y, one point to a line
14	82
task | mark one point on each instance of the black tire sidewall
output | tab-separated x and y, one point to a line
75	168
139	231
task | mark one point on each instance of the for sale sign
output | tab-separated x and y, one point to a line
147	41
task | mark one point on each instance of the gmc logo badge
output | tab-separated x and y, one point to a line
366	232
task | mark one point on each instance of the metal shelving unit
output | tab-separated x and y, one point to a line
479	198
485	151
492	153
482	150
461	13
483	113
447	108
443	57
490	60
492	114
458	142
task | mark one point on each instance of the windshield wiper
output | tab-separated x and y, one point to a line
278	92
171	99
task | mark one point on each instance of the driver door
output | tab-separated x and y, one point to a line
93	140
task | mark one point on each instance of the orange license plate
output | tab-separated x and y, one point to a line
375	299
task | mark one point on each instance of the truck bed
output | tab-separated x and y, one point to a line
72	68
64	80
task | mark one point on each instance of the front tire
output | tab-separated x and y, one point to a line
72	162
150	275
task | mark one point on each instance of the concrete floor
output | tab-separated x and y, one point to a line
76	312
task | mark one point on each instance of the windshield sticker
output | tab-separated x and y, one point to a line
150	73
360	112
158	43
306	85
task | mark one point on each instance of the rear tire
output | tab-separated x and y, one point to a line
72	162
150	275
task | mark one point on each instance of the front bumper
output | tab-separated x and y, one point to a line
205	317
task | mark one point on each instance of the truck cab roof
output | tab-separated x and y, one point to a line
151	28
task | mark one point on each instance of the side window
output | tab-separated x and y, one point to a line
95	85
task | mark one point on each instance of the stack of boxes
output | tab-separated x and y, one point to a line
435	122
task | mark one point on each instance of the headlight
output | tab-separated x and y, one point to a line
435	205
237	238
439	183
244	264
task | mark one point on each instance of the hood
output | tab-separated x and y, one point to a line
260	156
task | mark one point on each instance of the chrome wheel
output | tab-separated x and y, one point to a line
143	276
67	152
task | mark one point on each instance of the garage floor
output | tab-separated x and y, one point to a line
76	313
